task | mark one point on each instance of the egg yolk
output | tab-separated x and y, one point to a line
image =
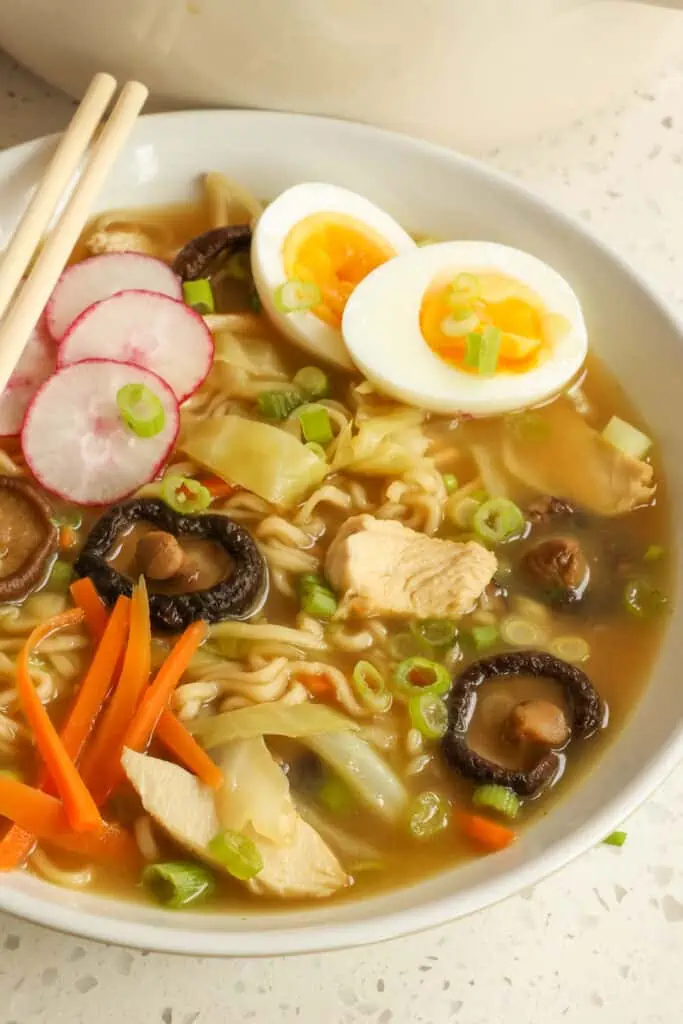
454	314
334	252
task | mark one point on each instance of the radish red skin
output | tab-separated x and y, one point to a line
101	379
36	364
154	331
99	277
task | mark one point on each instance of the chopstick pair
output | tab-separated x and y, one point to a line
22	305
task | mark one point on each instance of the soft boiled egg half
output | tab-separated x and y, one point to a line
471	327
311	248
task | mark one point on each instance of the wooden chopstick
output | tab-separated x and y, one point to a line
34	293
62	167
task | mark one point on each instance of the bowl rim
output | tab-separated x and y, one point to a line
323	937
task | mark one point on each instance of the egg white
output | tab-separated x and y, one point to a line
381	328
305	329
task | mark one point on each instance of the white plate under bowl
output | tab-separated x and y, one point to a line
439	193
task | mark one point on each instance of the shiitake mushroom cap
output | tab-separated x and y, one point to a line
237	597
586	716
195	259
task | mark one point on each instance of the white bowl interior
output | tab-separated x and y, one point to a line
439	193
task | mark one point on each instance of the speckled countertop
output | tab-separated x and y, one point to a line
601	942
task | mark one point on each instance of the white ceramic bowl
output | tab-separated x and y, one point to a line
468	73
442	194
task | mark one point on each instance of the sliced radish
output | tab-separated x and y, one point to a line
37	362
101	276
150	330
75	442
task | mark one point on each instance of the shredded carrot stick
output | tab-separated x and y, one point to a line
318	685
95	687
86	598
485	833
67	538
17	843
15	846
78	803
182	743
167	678
44	816
104	754
217	487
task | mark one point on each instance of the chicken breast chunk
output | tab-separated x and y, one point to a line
380	567
302	867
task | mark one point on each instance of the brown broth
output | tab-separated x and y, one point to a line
622	648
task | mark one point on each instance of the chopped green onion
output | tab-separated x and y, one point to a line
312	382
420	675
297	296
369	686
198	295
277	405
141	410
317	449
466	284
405	645
316	598
461	512
626	439
520	632
237	853
617	838
435	632
60	576
255	301
497	520
570	648
483	637
654	553
185	495
238	266
497	798
482	351
455	326
450	482
178	883
428	714
429	814
336	796
643	600
315	424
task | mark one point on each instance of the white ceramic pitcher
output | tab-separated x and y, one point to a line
468	73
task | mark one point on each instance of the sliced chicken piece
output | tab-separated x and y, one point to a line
304	867
178	802
381	567
189	812
573	461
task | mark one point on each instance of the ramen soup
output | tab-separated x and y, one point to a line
329	558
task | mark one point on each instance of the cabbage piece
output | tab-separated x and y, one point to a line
263	459
255	792
295	721
568	459
364	771
244	367
351	848
257	355
393	443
